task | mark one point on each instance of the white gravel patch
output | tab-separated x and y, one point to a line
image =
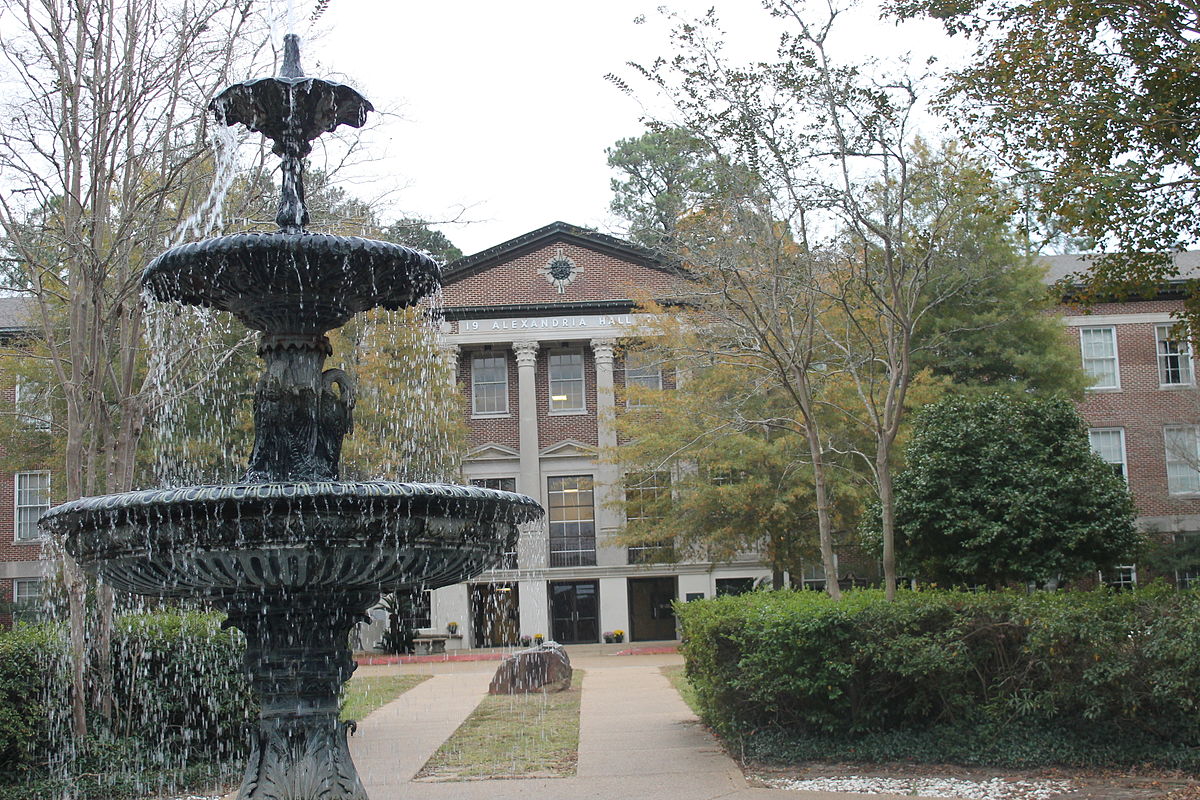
991	789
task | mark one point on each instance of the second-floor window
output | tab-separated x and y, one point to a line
566	382
1109	444
32	500
644	494
642	370
1183	459
572	512
31	405
489	384
1174	358
1099	348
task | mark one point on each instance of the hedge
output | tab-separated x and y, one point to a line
1076	678
181	707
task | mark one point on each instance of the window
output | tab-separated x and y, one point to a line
733	586
1174	358
572	521
641	370
30	405
1183	459
32	500
27	599
489	385
643	493
812	576
1099	347
1109	444
566	382
509	561
1187	551
1121	577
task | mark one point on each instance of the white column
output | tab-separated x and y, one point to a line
532	546
450	353
608	475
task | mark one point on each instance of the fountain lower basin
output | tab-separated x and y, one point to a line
223	541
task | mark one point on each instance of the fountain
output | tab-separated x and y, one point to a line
292	554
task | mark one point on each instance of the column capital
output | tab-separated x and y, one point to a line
603	348
526	353
449	350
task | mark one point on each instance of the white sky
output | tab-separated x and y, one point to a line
504	110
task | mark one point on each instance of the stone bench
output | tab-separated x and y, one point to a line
425	644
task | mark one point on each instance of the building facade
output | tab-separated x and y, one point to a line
1143	411
534	329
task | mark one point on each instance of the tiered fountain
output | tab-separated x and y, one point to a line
292	554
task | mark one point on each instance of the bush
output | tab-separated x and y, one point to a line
1077	678
181	705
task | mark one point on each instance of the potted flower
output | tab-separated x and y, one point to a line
451	628
618	635
525	640
609	637
538	639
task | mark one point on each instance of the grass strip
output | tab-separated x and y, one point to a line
678	678
366	693
533	735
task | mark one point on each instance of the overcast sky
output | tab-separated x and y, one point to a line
504	110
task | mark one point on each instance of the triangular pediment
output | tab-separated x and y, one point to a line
569	448
492	452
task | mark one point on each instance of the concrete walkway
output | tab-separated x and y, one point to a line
637	739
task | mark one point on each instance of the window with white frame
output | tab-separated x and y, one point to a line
644	492
1187	573
566	382
1109	444
32	500
1174	358
812	575
572	513
1120	577
30	404
1183	458
1099	348
641	370
27	599
489	384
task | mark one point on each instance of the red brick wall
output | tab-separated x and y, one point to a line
604	277
1142	408
500	430
556	428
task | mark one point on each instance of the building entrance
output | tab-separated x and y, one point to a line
651	616
495	614
575	612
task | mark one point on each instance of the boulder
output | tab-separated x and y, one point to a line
545	668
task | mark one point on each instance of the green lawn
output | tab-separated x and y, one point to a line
532	735
367	693
678	678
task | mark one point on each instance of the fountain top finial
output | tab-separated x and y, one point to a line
291	57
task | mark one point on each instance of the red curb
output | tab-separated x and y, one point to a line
434	659
648	651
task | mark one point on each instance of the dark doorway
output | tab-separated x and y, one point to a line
575	612
651	617
495	614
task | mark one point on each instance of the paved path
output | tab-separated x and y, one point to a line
637	739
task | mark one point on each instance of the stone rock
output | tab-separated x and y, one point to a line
545	668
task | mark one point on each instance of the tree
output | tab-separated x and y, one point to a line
416	233
1002	489
103	153
1095	105
665	175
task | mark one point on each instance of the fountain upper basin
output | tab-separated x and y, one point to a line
296	283
337	537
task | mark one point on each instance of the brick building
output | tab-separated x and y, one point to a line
534	326
24	495
1143	410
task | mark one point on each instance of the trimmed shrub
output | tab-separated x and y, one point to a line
1003	678
181	705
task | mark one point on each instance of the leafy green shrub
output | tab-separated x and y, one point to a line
1068	677
181	705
